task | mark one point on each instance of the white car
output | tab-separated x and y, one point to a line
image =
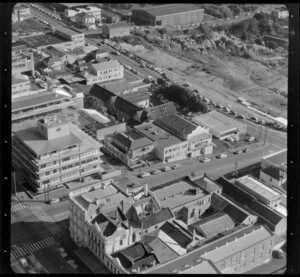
156	171
251	139
144	174
176	166
167	168
206	160
222	156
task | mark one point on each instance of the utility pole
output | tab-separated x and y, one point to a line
260	131
266	135
235	170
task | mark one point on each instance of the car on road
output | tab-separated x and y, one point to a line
72	263
176	166
237	152
156	171
205	160
166	168
54	201
222	156
246	150
144	174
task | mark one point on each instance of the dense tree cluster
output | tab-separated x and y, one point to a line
183	97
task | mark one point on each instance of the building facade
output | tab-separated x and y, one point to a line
169	15
104	71
130	147
22	12
263	193
54	153
20	86
198	137
22	59
35	105
77	38
115	30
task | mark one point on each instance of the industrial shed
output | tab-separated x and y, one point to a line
169	15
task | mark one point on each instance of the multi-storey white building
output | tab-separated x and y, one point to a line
22	59
104	71
54	152
20	86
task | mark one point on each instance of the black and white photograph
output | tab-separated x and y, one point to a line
149	138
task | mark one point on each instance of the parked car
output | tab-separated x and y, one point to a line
156	171
238	152
144	174
166	168
246	150
222	156
251	139
176	166
24	262
206	160
54	200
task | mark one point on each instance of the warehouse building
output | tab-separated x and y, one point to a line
169	15
113	30
260	191
220	125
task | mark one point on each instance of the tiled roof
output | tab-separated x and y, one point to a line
278	159
218	249
214	225
161	110
52	51
156	218
133	140
136	97
161	250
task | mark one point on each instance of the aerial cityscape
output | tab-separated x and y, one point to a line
149	138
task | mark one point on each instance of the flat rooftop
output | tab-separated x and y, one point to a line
19	79
41	146
217	121
72	5
43	40
34	100
178	194
95	115
168	9
157	134
258	187
278	159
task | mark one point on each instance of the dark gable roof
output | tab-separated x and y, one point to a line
115	86
265	212
126	107
273	171
178	123
101	93
234	192
136	96
174	232
156	218
133	140
215	224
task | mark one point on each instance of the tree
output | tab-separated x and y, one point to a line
206	31
162	82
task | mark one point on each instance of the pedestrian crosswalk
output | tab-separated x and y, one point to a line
17	207
47	220
20	251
